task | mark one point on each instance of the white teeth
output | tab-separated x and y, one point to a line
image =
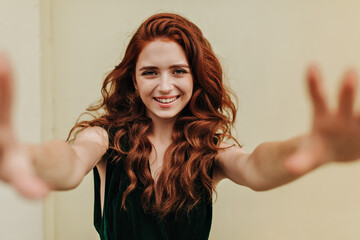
166	100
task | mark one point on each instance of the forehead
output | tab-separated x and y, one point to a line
161	53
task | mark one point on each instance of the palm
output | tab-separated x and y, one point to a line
335	135
15	165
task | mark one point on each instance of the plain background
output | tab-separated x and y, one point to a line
62	50
19	37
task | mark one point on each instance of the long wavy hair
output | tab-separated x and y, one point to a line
186	175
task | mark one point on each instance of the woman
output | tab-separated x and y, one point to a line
159	148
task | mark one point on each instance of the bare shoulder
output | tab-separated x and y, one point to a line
95	134
91	144
228	161
228	151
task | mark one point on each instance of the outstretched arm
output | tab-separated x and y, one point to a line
335	136
36	169
63	166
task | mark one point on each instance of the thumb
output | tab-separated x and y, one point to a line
301	163
30	186
17	170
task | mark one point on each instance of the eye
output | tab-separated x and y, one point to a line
180	71
148	73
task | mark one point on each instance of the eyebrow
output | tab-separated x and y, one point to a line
172	66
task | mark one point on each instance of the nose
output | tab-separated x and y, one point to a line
165	84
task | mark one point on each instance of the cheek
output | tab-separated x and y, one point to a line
190	87
144	87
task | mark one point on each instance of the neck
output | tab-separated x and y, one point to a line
162	130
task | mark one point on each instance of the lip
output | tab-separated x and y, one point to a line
166	105
166	97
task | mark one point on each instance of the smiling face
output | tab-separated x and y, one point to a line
163	79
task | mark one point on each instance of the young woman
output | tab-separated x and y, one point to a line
159	147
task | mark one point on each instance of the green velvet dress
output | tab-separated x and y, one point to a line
135	223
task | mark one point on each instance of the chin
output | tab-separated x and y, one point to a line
164	116
167	116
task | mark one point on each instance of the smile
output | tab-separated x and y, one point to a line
166	99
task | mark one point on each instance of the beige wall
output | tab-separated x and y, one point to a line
19	38
264	46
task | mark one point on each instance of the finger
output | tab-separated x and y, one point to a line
30	186
5	90
347	94
316	90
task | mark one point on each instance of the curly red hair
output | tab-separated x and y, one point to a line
205	121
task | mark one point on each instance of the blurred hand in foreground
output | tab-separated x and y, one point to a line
16	167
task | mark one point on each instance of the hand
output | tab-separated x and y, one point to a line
335	134
16	167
